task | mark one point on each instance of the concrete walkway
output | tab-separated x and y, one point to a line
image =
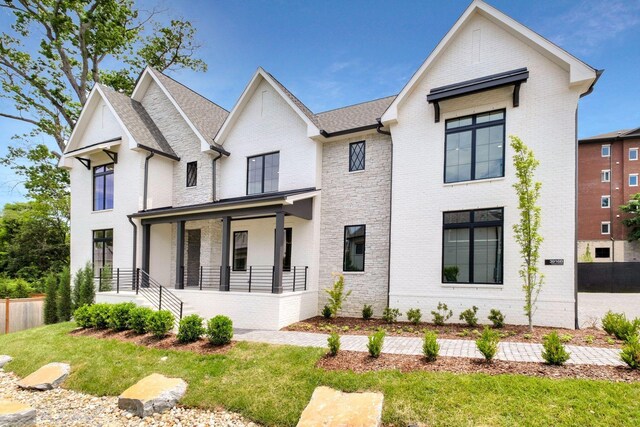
510	351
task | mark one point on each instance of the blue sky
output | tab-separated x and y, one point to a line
336	53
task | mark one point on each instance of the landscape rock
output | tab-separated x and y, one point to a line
153	394
47	377
333	408
4	359
16	414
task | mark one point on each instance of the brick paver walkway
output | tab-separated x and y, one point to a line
512	351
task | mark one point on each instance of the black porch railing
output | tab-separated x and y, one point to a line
256	278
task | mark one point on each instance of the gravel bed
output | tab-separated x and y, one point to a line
61	407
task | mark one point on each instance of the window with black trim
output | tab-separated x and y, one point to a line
472	246
356	156
192	174
354	248
603	252
288	233
262	173
102	248
103	187
474	147
240	250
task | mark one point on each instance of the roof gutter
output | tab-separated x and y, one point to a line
219	150
159	153
347	131
598	74
380	126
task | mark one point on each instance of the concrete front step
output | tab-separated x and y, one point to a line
333	408
47	377
16	414
154	393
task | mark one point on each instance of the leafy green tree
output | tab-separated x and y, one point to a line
632	221
64	306
526	231
50	302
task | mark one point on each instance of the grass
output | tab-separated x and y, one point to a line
273	384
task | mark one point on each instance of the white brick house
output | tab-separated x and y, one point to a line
248	212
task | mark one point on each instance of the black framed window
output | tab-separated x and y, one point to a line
356	156
102	248
354	248
262	173
286	263
603	252
472	246
240	250
103	187
192	174
474	147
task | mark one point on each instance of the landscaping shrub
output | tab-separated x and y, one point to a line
554	352
84	291
64	305
337	296
119	315
50	302
469	316
15	288
367	312
326	312
496	317
220	330
618	325
190	328
430	346
631	352
105	283
375	343
82	317
488	343
159	323
442	315
414	315
334	343
138	319
390	315
100	315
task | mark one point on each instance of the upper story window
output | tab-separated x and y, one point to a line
605	201
472	246
192	174
633	180
605	227
605	175
633	154
356	156
103	187
474	147
605	151
262	173
354	246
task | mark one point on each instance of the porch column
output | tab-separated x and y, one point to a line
180	254
224	262
146	247
278	254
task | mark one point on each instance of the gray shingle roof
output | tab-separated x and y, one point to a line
354	116
611	135
307	112
137	121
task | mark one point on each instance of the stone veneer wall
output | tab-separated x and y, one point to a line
353	198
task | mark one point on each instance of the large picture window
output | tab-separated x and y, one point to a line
240	250
472	246
354	247
102	249
262	173
103	187
474	147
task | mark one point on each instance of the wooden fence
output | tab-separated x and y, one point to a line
21	313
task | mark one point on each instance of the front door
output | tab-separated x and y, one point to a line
193	258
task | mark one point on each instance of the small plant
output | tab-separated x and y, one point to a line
611	341
496	317
451	273
565	338
554	352
618	325
469	316
367	312
476	333
488	343
106	279
326	312
414	315
390	315
430	346
527	336
589	339
100	315
50	303
64	304
442	315
334	343
82	317
586	256
159	323
337	296
138	319
220	330
463	333
375	343
631	352
84	290
119	315
190	328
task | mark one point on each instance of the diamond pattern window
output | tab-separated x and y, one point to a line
192	174
356	156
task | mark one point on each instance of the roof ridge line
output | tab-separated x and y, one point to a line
188	88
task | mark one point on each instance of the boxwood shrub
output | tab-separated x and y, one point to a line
82	317
190	328
159	323
138	319
119	315
100	315
220	330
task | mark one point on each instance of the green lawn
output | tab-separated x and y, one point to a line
272	384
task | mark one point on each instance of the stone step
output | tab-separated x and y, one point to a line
47	377
333	408
16	414
154	393
4	359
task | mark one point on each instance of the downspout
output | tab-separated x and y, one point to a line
213	177
146	179
384	132
135	243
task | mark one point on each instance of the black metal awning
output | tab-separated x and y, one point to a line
509	78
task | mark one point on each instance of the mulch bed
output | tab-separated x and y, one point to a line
361	362
170	342
589	337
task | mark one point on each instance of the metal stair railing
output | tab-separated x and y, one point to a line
158	295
